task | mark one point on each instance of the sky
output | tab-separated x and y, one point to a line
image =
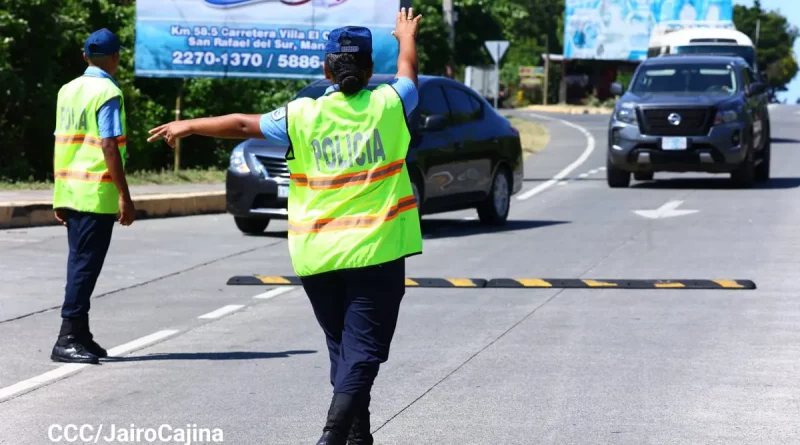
791	10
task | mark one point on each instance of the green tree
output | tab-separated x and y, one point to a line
774	52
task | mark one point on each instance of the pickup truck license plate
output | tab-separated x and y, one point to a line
283	191
674	143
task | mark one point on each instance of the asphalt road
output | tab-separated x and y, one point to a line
547	366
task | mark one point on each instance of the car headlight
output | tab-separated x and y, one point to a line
724	117
627	115
238	162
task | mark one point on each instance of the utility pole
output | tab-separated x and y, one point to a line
450	19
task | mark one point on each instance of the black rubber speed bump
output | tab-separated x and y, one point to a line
446	282
259	280
560	283
522	283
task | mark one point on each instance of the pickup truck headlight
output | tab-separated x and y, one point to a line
627	115
725	117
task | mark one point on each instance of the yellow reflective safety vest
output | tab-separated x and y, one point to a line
82	179
350	204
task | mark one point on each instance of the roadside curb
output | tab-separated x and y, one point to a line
568	109
40	213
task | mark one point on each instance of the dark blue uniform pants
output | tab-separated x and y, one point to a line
357	309
89	236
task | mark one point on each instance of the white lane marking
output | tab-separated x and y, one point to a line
469	218
602	169
563	182
71	368
222	311
667	210
593	171
272	293
139	342
590	143
583	175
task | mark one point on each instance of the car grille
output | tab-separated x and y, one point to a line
275	167
694	121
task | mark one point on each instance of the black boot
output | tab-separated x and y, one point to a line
88	340
360	431
340	419
68	347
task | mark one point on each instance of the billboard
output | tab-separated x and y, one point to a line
254	38
620	29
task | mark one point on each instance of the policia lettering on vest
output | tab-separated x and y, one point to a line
361	149
353	217
91	191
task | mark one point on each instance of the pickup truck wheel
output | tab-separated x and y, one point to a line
616	177
251	226
762	169
744	175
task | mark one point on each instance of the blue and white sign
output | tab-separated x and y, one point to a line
620	29
254	38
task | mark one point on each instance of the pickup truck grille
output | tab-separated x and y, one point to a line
694	121
275	167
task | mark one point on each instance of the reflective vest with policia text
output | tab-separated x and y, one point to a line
82	179
351	204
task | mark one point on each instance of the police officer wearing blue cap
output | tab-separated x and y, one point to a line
91	192
352	213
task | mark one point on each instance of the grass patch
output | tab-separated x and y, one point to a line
165	177
534	136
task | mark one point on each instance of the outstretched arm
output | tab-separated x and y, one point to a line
406	34
231	126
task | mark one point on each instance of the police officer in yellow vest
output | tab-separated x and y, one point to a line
353	217
91	191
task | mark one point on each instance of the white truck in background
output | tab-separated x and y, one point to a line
701	37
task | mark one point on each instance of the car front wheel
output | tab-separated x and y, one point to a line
494	210
251	226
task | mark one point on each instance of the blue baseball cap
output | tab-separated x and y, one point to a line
101	43
350	39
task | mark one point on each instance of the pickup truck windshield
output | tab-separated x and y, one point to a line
683	78
745	52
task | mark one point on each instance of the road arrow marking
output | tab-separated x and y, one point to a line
667	210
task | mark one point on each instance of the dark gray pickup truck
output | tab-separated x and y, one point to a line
690	113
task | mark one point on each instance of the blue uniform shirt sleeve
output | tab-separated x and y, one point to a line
273	126
408	93
109	119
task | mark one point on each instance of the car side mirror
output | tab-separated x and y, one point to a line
757	89
434	122
617	89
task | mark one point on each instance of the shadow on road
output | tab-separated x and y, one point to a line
599	177
785	141
454	228
720	183
281	234
233	355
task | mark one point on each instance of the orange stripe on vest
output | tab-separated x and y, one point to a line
351	222
350	179
83	176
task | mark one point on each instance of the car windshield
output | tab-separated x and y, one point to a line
682	78
745	52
